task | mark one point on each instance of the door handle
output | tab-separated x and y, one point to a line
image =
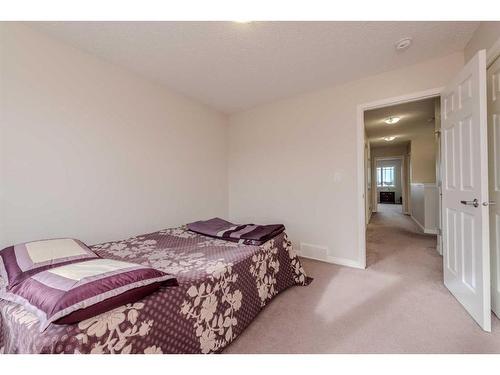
474	203
490	203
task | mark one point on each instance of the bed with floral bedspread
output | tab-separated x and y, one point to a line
222	287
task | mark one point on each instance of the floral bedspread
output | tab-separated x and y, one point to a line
222	288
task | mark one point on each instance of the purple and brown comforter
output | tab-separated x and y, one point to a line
222	287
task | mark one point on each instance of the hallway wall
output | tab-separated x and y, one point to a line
423	155
424	206
386	151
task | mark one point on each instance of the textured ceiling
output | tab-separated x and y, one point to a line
416	117
232	66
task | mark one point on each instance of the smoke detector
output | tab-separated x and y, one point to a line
403	44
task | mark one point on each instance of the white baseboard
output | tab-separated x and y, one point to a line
438	246
335	260
424	229
430	231
346	262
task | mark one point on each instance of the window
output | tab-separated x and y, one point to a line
385	176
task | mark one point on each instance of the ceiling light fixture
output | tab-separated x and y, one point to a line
389	139
391	120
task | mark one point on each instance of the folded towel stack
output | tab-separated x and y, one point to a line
247	234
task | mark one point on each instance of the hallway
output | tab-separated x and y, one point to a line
397	305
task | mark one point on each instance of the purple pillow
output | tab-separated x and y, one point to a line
78	291
19	262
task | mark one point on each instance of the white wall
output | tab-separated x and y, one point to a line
431	197
295	160
424	206
89	150
418	204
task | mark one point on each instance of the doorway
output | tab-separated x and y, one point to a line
463	191
403	144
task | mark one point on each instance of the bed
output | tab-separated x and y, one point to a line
222	286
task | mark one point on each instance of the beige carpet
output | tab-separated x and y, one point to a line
397	305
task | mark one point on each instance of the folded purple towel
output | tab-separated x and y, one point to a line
248	234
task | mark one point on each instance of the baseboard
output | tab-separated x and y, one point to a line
335	260
438	247
495	308
422	228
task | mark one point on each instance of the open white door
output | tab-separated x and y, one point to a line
494	177
464	147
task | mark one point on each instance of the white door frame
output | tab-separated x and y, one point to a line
360	131
491	55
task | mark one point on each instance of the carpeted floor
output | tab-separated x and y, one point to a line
397	305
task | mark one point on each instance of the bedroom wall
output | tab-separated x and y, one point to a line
92	151
295	160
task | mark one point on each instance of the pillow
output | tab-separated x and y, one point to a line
78	291
19	262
